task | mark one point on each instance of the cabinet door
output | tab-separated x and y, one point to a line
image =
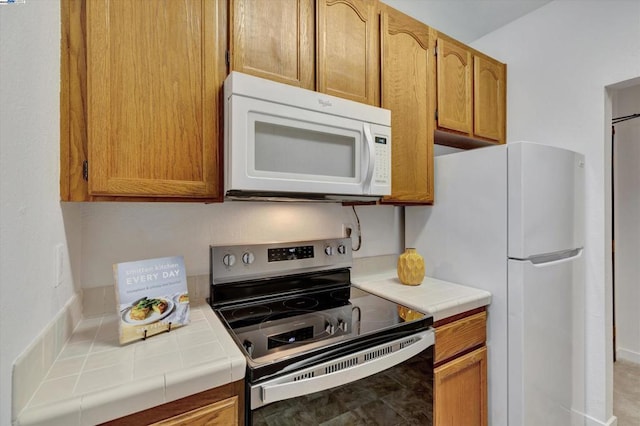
274	40
460	391
153	85
454	86
407	90
489	100
348	49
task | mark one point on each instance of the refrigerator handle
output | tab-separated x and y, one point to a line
556	258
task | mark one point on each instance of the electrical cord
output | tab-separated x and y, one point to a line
359	230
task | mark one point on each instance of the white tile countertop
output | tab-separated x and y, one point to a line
95	379
441	299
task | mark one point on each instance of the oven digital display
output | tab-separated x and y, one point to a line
289	337
289	253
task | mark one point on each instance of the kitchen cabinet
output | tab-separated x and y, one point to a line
274	40
460	370
222	413
408	90
348	49
489	98
455	85
140	99
331	46
471	92
221	406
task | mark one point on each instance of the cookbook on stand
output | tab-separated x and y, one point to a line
152	297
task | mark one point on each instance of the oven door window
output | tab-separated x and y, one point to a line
401	394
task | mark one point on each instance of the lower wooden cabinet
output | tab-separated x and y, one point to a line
460	391
220	413
221	406
460	373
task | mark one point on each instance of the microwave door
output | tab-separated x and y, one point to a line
277	148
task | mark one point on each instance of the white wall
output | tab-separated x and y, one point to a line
560	59
627	225
31	219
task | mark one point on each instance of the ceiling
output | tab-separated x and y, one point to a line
466	20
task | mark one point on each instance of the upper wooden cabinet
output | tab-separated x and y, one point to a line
274	39
471	92
489	103
408	90
455	85
331	46
141	87
348	58
151	74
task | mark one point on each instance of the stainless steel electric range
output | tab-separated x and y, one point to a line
318	349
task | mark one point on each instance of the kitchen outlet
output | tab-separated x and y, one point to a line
59	264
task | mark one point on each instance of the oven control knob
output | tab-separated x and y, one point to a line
342	249
229	259
248	258
248	346
328	250
329	328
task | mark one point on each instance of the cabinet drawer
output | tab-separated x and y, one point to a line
458	336
223	413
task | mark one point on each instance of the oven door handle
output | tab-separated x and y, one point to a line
331	373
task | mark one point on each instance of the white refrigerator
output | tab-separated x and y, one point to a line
510	220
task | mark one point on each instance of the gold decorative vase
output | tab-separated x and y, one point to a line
410	267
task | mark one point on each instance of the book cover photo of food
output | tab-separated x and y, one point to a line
152	297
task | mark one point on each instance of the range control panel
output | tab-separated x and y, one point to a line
249	261
289	253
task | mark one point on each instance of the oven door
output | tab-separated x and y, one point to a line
391	383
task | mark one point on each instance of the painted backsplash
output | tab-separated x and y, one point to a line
120	232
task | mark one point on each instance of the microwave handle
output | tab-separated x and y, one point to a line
372	157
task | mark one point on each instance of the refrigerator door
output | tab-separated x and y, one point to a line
546	341
545	199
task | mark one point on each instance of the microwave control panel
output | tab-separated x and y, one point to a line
383	155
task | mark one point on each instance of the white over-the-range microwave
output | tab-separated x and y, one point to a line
284	142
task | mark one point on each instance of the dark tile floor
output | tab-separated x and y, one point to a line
399	396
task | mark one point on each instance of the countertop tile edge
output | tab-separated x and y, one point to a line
120	401
183	383
63	413
117	401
